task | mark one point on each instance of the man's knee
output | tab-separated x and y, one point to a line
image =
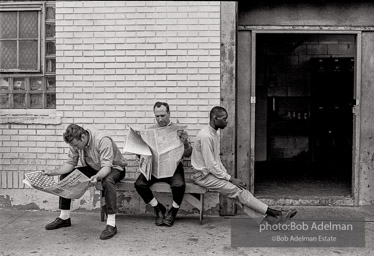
108	182
139	183
245	196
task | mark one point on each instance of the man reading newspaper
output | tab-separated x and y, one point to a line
177	183
101	160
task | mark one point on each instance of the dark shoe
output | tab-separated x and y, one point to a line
285	216
170	218
159	214
108	232
270	220
58	223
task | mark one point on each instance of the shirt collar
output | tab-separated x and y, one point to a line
212	129
89	139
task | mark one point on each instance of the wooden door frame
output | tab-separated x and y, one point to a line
247	102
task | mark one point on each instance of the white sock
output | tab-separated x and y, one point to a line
65	214
153	202
111	220
175	205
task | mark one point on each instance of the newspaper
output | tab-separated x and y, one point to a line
73	186
160	150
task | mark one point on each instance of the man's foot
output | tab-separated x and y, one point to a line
58	223
270	220
170	218
285	216
108	232
281	218
159	214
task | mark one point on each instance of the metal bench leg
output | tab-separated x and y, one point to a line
201	208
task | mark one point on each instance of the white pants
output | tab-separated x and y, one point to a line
252	206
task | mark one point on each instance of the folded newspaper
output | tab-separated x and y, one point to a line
72	186
160	150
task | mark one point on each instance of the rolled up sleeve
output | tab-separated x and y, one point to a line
106	152
73	157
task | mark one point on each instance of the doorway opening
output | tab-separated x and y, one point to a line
304	119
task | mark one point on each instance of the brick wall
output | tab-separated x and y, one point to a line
114	60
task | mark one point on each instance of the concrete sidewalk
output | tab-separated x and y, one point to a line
23	233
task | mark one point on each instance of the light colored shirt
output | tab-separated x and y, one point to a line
100	151
205	155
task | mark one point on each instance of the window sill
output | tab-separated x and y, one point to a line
29	116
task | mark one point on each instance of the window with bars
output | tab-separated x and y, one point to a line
20	41
27	55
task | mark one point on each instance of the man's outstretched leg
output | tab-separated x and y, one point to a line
272	216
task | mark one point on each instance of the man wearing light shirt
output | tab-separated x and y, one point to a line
100	159
210	173
177	182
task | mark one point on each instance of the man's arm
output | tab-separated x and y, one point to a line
208	156
183	135
101	174
106	159
65	168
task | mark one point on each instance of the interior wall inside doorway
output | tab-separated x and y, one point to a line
283	86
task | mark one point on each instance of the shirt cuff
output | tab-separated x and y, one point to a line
228	177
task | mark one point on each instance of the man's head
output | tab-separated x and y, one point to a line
218	118
162	113
76	136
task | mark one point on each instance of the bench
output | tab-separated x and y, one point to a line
194	194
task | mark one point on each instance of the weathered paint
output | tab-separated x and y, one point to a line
244	107
228	94
306	13
326	16
366	171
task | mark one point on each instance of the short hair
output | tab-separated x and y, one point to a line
73	131
216	110
159	104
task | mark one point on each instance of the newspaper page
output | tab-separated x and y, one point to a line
73	186
167	149
160	150
136	145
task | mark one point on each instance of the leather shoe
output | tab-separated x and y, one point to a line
58	223
282	218
159	214
170	217
108	232
285	215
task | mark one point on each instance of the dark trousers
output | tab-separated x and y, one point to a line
177	184
109	188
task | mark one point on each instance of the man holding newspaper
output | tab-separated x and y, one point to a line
101	160
164	129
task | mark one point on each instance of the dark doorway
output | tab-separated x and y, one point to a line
304	120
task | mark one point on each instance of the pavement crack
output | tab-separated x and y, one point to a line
10	222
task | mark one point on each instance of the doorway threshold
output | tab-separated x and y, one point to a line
308	201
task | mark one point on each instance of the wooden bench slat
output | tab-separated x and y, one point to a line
162	187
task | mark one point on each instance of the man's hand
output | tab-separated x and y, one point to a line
183	135
93	180
47	172
239	183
